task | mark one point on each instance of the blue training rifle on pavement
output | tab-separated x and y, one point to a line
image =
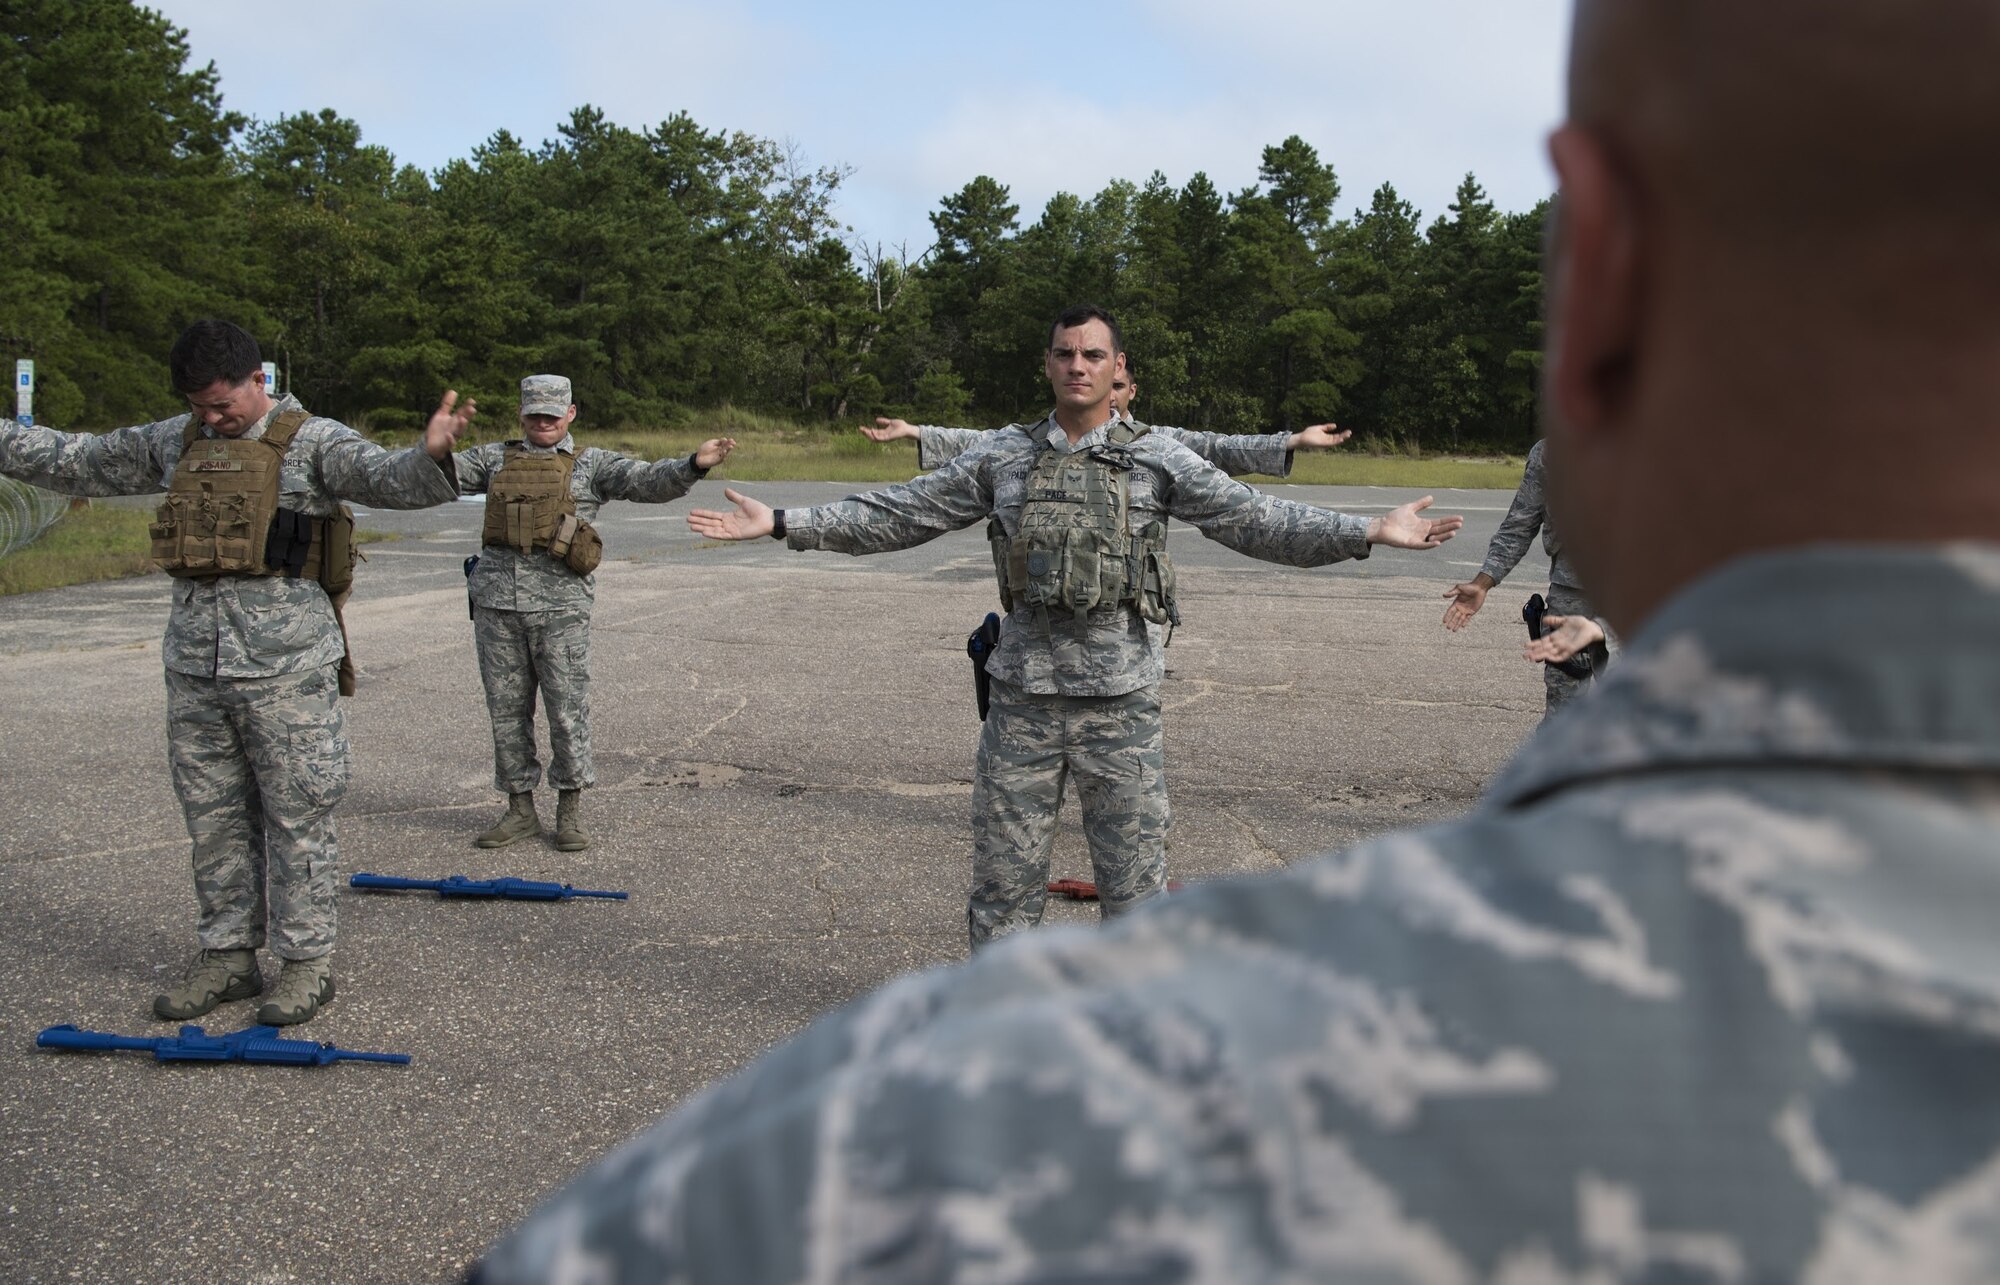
255	1044
460	886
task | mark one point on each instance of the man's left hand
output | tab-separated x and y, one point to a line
713	451
1319	437
1408	528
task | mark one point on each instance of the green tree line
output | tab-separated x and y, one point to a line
675	268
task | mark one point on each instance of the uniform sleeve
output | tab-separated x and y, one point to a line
897	517
1253	523
1524	518
354	469
476	465
1237	453
937	447
124	462
620	477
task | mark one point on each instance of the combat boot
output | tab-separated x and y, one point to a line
570	834
304	987
519	823
215	977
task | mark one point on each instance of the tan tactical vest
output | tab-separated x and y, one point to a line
1075	550
221	515
529	508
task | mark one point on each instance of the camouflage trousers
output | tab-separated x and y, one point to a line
1560	688
258	765
1029	747
520	652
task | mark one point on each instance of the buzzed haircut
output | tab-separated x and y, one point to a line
1083	314
210	350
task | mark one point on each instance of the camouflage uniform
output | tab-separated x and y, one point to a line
255	734
1527	514
1705	990
1233	453
1066	699
532	615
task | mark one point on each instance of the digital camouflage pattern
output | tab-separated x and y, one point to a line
259	764
521	652
1115	652
1559	688
1527	514
1029	747
1705	990
509	580
1233	453
238	626
545	395
255	736
532	613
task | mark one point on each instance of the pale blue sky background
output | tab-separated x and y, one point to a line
921	97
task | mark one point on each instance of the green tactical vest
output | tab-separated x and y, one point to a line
221	515
1075	550
529	508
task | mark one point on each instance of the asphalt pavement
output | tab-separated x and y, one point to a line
784	745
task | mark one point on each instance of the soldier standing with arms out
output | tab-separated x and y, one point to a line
253	532
532	589
1076	508
1571	627
1707	989
1233	453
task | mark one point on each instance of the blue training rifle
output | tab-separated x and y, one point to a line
460	886
255	1044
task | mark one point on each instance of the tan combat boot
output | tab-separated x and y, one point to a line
570	834
519	823
304	987
215	977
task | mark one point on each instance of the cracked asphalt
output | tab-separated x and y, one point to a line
784	744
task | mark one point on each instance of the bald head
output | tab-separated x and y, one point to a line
1774	308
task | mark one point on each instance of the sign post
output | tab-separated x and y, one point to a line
270	379
24	391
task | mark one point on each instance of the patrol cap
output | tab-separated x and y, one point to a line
545	395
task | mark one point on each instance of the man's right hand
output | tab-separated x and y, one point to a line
751	519
890	430
1466	600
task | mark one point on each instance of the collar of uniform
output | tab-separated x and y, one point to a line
566	446
279	405
1863	656
1056	437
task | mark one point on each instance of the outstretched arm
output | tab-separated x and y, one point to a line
125	462
894	517
355	469
617	477
1301	535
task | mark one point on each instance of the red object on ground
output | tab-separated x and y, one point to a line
1085	890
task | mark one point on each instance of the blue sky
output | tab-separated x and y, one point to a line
919	98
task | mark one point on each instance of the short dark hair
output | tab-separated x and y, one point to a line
211	350
1130	376
1083	314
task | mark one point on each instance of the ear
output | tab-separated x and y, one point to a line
1594	285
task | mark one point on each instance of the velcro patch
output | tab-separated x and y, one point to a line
216	466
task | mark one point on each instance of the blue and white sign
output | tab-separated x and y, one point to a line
271	379
24	391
